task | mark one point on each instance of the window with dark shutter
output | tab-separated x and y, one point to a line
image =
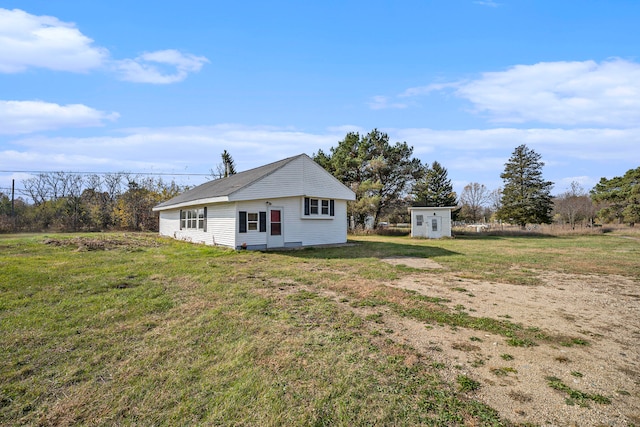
319	208
242	225
182	219
205	219
263	222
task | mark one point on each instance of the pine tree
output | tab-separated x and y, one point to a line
377	171
434	188
228	164
619	197
526	197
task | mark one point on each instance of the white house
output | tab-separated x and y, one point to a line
430	221
289	203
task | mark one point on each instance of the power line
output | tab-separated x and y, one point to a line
113	173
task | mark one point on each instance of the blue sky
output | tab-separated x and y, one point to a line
167	86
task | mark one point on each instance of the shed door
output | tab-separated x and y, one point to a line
275	228
434	226
418	228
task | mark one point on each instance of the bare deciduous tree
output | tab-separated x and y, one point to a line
473	197
574	205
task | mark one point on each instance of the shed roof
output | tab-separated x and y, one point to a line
416	208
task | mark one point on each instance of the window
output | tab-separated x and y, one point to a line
201	219
193	219
434	224
276	222
419	219
314	206
319	207
325	207
252	221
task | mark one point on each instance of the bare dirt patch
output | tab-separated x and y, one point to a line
413	262
598	316
99	243
584	370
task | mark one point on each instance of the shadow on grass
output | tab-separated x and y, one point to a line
354	250
499	235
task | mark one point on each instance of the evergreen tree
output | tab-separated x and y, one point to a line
619	197
227	164
526	197
378	172
224	169
434	188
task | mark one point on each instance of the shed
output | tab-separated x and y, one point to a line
289	203
432	222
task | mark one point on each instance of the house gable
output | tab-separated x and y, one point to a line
289	203
294	176
299	177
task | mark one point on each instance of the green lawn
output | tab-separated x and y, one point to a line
131	329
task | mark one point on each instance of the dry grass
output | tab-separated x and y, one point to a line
173	333
150	331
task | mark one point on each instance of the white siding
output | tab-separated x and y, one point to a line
285	188
301	176
284	182
325	231
220	226
253	238
296	229
442	215
319	183
169	222
313	231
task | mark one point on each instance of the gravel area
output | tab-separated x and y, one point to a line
601	312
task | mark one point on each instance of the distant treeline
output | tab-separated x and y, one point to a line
64	201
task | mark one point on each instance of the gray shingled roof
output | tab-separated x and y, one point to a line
227	186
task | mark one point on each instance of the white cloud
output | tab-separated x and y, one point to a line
489	3
425	90
474	155
562	145
147	68
45	42
561	93
18	117
162	149
382	103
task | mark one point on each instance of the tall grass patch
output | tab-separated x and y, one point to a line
151	331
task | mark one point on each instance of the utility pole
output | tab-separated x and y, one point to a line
13	193
13	198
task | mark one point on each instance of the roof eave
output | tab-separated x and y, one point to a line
433	207
207	201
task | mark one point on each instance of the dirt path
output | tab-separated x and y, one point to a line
601	312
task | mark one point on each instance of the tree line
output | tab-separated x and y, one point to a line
95	202
67	201
386	178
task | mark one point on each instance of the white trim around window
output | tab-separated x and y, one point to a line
317	208
193	219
